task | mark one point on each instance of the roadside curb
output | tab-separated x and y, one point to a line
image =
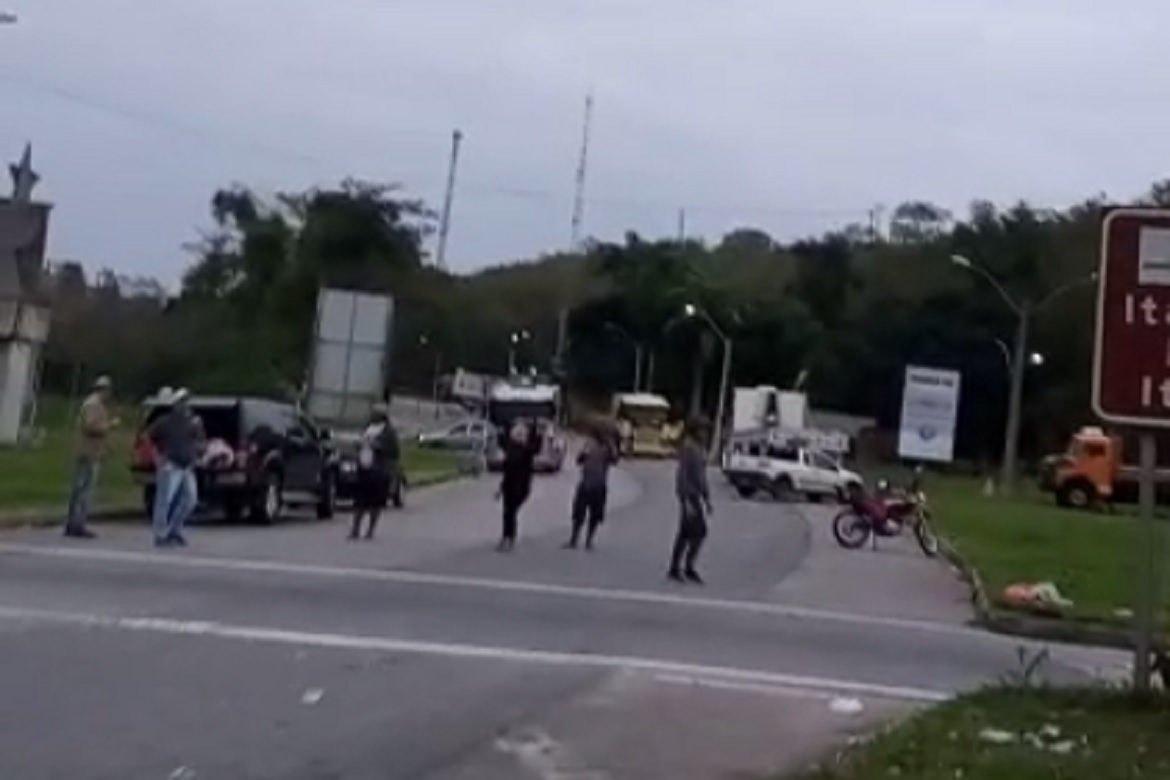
43	518
49	517
1012	623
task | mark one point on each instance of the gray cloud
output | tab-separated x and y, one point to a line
792	116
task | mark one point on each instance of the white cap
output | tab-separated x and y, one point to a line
182	394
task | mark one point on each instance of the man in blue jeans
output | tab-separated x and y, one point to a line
176	438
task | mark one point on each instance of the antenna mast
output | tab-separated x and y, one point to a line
582	169
448	199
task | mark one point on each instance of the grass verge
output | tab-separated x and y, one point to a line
1018	734
1089	557
35	478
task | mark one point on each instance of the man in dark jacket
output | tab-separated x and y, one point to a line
592	493
521	444
176	437
378	467
694	502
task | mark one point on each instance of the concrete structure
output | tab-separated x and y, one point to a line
24	311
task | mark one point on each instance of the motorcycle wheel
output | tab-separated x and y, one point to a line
851	530
926	537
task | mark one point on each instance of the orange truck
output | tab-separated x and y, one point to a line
1099	467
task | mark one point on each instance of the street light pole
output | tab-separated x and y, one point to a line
1024	313
1011	439
724	379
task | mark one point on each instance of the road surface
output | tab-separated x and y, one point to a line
289	652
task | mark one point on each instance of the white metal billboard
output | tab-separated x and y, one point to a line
350	354
930	408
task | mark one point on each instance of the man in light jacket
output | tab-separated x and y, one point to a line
94	423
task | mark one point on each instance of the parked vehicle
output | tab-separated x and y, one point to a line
345	448
262	456
464	436
887	513
783	467
1099	467
646	431
530	401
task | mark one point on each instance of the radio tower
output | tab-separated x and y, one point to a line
575	233
448	199
582	169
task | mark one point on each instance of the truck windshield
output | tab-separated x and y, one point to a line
502	413
648	416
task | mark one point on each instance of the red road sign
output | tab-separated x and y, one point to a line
1131	362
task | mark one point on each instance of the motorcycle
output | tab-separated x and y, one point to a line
886	514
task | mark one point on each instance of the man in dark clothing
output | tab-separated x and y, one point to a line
378	464
694	500
590	498
177	440
521	445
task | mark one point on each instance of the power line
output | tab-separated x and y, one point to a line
160	121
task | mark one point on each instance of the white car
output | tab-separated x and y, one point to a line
785	471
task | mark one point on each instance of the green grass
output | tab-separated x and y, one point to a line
1026	538
1109	736
36	476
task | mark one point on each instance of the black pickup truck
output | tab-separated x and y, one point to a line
260	457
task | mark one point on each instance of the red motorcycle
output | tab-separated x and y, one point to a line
887	513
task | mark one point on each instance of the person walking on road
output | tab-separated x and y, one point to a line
694	503
591	495
94	423
378	467
521	445
176	437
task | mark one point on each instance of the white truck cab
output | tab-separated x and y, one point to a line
784	468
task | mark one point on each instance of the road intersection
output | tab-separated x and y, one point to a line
290	653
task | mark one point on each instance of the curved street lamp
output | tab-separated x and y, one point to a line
637	345
7	17
691	311
1017	365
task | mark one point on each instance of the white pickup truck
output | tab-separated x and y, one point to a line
785	471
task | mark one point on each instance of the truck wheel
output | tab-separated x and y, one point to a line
1077	494
233	510
269	501
745	490
782	488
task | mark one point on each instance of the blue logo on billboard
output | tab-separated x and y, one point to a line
927	432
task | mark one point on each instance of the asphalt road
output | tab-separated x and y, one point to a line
426	655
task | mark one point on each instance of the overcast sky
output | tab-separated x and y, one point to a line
789	115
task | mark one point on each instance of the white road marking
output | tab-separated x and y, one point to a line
465	651
689	601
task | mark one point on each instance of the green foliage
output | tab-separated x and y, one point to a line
849	309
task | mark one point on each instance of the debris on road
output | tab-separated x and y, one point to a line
312	696
845	706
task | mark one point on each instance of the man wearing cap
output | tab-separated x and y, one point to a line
176	438
94	423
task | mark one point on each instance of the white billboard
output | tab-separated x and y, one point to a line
350	354
930	408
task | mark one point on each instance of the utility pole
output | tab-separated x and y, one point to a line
448	200
575	228
682	225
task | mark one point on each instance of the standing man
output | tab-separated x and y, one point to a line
694	503
176	439
589	499
378	468
94	424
